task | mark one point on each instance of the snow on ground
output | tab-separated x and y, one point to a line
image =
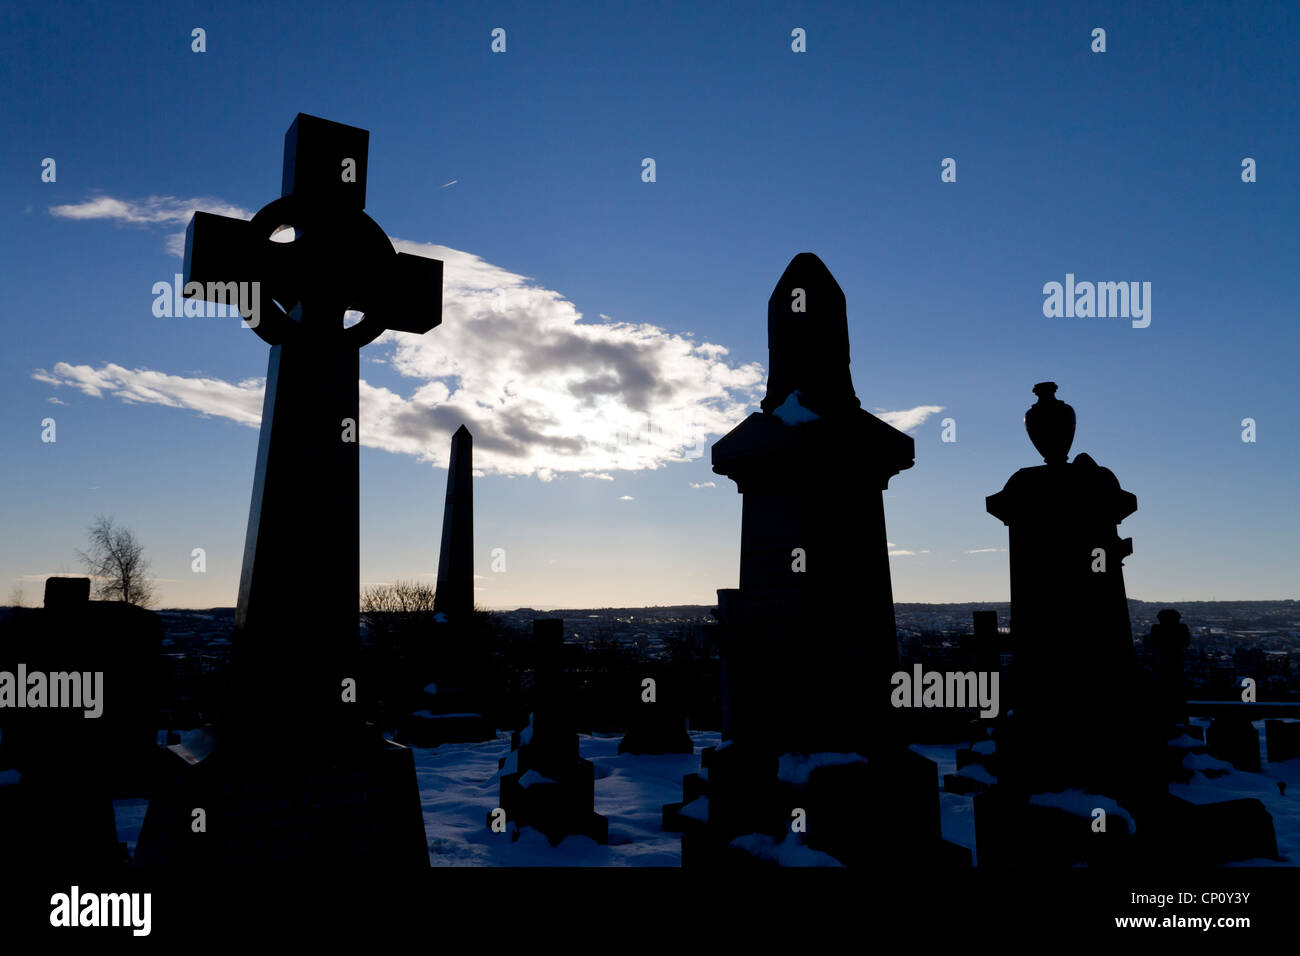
1082	804
797	768
975	771
956	810
787	852
958	817
460	786
1237	784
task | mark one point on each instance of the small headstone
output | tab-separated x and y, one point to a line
1211	834
63	593
545	784
1232	737
658	725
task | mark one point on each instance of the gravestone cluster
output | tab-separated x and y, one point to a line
814	765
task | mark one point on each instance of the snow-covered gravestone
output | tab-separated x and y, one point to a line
808	641
545	784
338	792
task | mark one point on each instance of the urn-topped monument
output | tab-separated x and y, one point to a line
1074	657
1079	734
1050	423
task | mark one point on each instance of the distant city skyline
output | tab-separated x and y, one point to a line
601	331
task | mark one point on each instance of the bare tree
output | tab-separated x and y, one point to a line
117	564
404	596
385	607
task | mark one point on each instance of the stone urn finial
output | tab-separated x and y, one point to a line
1050	423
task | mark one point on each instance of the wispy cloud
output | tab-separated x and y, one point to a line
984	550
704	484
152	210
241	401
908	418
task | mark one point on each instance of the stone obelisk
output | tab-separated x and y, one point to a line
455	593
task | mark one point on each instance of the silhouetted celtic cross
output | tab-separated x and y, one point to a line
338	259
296	627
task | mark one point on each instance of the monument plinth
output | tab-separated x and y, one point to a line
808	640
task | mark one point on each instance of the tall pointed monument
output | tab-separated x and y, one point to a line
455	594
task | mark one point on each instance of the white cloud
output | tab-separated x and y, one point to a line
910	418
704	484
984	550
900	553
626	498
544	392
53	400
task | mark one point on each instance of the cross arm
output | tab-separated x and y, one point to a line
217	250
411	300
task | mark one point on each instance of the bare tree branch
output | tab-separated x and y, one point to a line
116	563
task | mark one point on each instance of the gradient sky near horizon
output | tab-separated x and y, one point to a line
630	329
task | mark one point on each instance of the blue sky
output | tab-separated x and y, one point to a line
651	297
